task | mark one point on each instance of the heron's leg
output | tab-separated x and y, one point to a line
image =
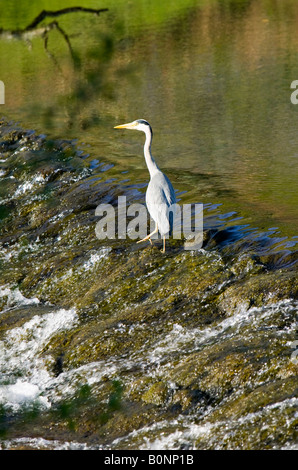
149	236
164	244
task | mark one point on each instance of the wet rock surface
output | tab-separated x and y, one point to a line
120	346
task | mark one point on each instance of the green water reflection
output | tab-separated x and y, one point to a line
212	77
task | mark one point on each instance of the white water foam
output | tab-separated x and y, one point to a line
218	435
46	444
96	257
181	338
28	185
14	298
89	265
24	375
155	357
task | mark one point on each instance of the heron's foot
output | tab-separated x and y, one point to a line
144	240
148	237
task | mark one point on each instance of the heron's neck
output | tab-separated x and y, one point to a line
152	166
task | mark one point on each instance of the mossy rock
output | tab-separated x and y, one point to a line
259	290
157	394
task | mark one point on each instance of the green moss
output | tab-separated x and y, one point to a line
156	394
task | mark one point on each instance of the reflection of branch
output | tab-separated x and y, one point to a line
32	31
53	25
46	38
44	14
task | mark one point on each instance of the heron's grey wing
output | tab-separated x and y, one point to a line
160	196
169	191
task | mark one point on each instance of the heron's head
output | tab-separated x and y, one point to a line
138	125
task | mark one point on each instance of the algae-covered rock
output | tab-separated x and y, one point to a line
157	394
259	290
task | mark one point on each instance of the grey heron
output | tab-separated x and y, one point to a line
160	194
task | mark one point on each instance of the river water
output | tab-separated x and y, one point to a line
109	344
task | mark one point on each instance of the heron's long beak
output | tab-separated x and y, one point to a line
130	125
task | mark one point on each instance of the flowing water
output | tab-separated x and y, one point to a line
109	344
